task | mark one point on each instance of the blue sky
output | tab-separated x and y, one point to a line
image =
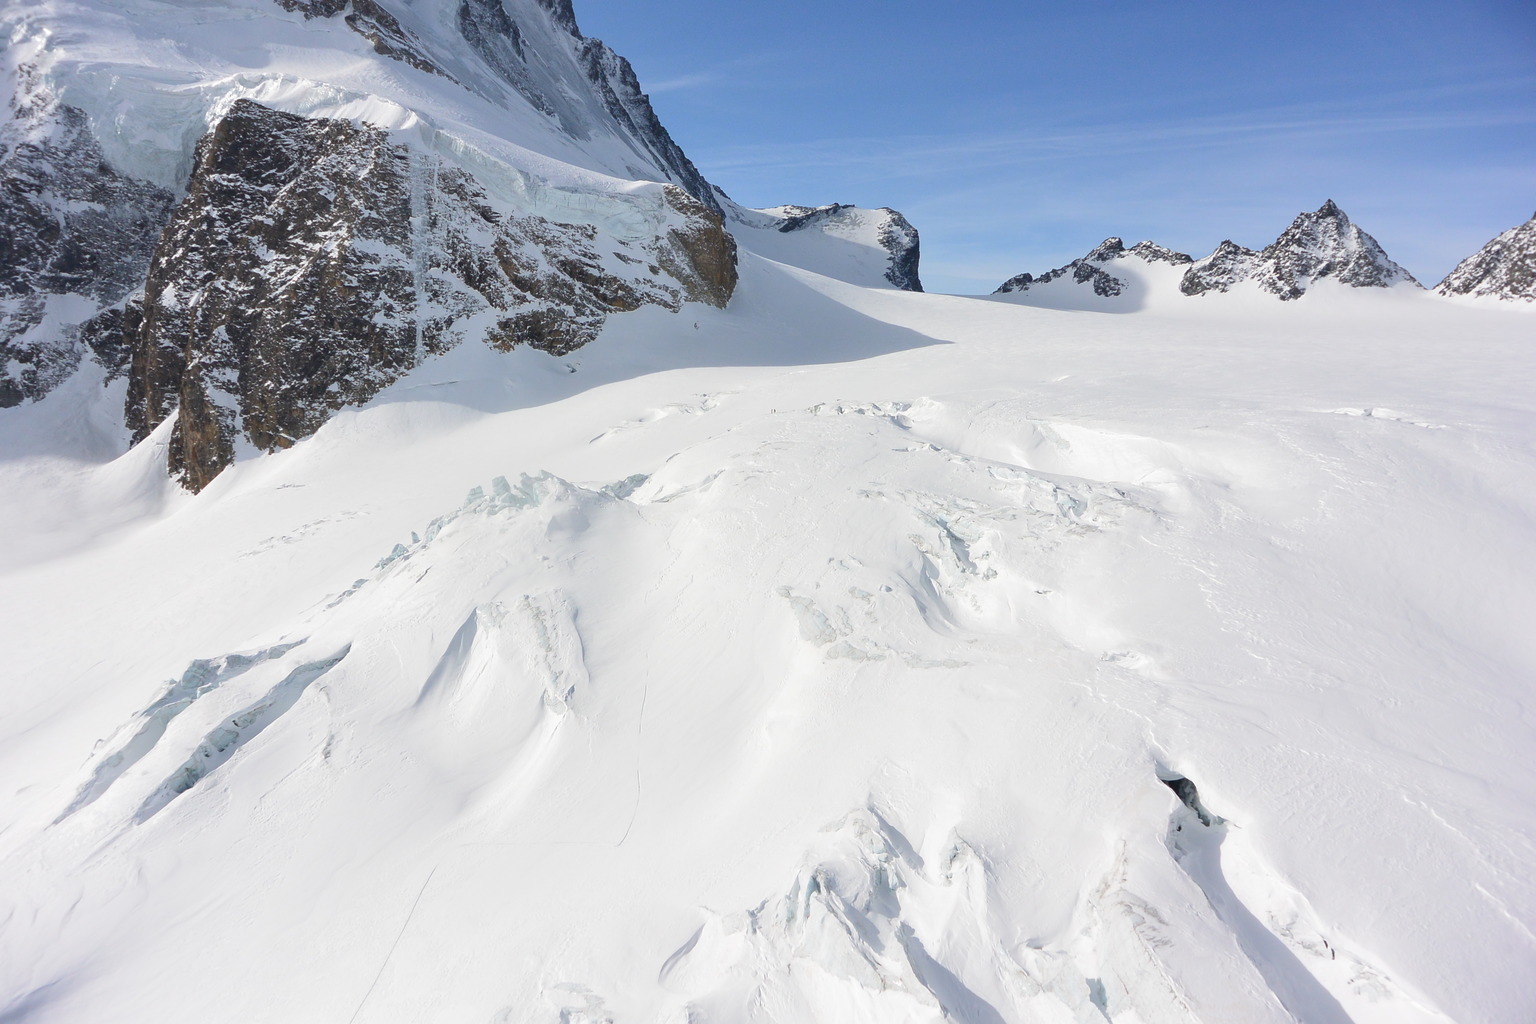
1016	135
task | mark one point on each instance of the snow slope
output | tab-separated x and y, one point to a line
830	657
875	248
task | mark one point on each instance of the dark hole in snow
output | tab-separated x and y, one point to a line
1185	790
1098	997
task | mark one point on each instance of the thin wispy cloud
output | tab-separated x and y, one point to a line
926	154
682	82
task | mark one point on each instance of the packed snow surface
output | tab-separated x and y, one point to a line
848	655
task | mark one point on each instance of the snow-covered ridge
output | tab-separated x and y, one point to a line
1089	270
873	247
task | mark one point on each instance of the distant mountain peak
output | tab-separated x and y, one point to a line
1089	269
1320	245
1505	268
878	230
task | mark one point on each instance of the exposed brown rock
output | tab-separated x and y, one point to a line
703	255
313	262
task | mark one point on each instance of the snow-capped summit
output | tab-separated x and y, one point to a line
1324	244
1505	268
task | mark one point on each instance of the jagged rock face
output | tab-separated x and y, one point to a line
1221	270
503	45
893	233
1089	269
900	238
313	262
279	292
1320	245
620	89
373	23
1505	268
519	55
1154	253
75	236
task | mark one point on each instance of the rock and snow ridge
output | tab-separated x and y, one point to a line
307	257
873	247
1505	268
892	232
268	224
1090	270
1324	245
306	269
1317	246
74	236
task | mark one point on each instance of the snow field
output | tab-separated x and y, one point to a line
819	662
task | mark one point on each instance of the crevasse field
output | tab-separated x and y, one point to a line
823	659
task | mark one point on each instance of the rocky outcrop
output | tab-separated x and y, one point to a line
1229	265
888	229
1151	252
1317	246
314	261
1505	268
75	237
375	24
1090	270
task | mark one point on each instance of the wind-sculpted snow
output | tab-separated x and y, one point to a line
245	725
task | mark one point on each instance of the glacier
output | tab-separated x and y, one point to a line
826	659
807	649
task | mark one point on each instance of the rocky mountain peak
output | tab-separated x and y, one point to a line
1090	270
1154	253
1111	248
1324	244
1505	268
